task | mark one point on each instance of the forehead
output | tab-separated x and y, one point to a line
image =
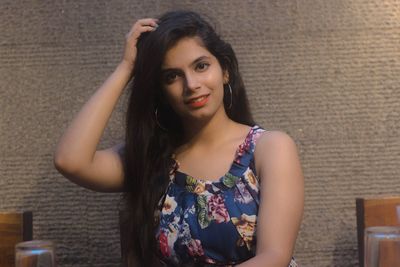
184	52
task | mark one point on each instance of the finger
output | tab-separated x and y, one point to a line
136	33
143	29
147	29
143	22
148	22
140	28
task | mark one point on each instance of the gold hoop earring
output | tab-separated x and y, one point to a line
230	91
157	122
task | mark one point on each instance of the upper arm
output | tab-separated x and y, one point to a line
105	173
282	194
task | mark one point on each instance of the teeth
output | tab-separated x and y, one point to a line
198	99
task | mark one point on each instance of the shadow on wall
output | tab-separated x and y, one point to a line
345	253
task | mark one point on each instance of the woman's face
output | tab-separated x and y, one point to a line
193	80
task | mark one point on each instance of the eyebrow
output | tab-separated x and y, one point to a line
197	60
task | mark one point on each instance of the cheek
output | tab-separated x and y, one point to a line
169	93
172	97
216	82
215	79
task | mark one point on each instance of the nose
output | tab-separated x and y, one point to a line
191	82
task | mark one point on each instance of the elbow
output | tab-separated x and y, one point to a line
69	168
64	164
60	163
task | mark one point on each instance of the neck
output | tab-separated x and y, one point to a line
208	132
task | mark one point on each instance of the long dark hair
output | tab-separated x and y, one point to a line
149	147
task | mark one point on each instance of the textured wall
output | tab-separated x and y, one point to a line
327	72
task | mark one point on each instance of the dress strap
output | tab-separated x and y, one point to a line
246	150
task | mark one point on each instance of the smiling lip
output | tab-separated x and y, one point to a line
198	102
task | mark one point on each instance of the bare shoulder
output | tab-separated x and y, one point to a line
275	148
273	141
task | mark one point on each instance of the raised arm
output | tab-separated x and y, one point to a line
282	200
76	155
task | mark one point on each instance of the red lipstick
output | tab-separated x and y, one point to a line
198	102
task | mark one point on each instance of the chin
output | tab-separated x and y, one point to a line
202	116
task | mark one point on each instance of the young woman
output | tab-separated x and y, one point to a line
204	185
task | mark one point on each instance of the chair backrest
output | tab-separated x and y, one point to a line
14	227
375	212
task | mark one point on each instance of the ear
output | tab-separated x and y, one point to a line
226	76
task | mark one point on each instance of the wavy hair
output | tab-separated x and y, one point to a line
149	147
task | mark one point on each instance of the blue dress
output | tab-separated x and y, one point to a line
212	223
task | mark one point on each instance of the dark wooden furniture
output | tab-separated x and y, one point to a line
14	227
376	212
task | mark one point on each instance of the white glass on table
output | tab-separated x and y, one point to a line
382	246
37	253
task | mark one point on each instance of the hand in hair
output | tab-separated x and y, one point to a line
140	26
76	155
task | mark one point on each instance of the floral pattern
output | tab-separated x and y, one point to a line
217	210
195	248
163	241
169	205
242	195
212	222
252	180
246	225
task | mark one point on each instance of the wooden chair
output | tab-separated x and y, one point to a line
375	212
14	228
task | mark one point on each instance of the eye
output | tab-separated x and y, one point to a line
201	66
170	77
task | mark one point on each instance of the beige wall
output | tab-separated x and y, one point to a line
327	72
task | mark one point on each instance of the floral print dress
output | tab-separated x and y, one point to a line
212	223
